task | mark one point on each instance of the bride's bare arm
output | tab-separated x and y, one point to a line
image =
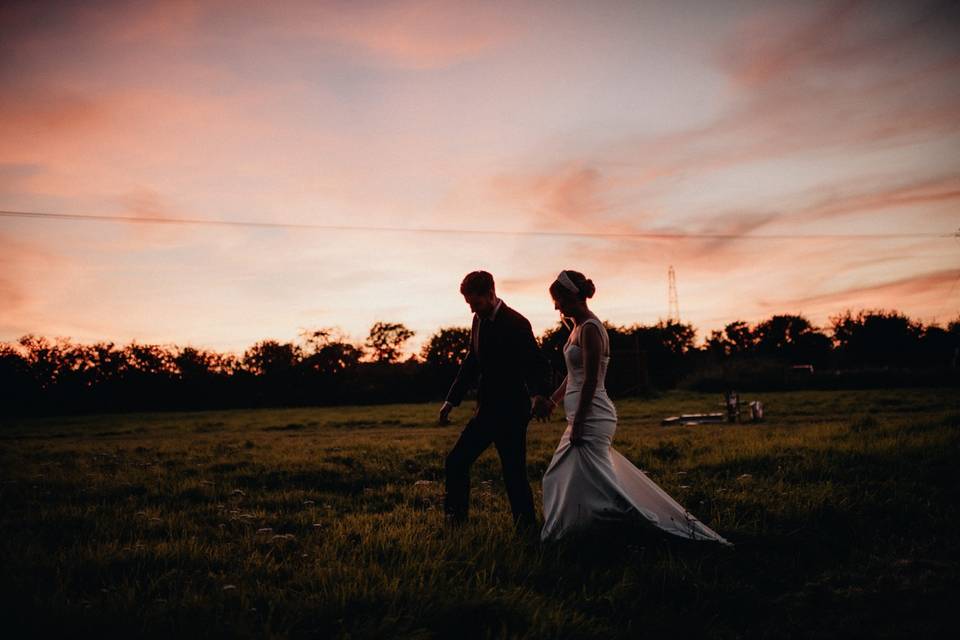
557	396
591	346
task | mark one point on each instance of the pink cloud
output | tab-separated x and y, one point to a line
776	41
927	191
152	21
786	44
802	82
112	143
842	200
419	34
149	205
924	291
574	197
25	271
25	116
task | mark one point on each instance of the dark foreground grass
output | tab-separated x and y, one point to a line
327	522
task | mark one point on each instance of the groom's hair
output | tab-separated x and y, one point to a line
477	283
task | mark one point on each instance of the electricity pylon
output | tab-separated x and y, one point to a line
673	313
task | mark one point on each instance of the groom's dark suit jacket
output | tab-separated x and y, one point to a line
506	362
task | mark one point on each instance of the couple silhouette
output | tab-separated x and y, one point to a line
587	482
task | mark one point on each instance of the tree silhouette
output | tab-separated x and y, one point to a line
196	364
736	338
328	352
44	375
792	338
149	359
269	357
876	338
386	340
675	337
45	358
446	348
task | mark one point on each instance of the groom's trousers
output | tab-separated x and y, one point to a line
509	436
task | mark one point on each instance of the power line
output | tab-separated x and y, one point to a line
461	231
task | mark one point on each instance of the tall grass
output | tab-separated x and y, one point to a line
328	522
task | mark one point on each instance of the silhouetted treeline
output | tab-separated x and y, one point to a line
869	349
40	375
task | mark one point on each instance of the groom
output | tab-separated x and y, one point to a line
506	361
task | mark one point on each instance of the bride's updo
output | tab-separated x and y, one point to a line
573	283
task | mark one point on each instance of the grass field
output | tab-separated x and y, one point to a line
844	508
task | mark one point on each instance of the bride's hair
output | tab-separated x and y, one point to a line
585	286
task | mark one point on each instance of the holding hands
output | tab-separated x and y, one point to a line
542	408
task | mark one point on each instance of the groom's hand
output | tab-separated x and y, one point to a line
542	408
444	417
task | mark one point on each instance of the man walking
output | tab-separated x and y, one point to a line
505	362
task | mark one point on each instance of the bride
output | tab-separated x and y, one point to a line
587	480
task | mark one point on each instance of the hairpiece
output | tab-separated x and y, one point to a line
567	283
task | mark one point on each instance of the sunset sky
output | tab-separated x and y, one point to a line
783	119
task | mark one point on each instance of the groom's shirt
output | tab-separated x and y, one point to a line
477	321
504	362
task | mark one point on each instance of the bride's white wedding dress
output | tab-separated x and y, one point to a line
592	483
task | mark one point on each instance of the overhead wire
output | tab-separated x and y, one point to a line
646	235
